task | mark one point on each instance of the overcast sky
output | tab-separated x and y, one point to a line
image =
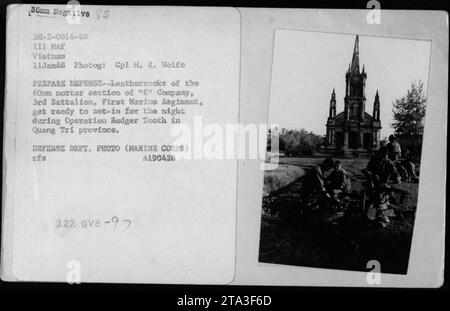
307	65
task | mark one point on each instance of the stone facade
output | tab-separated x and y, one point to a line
353	129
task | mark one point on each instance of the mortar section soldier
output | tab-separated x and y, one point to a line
410	167
313	186
381	170
338	179
405	167
393	148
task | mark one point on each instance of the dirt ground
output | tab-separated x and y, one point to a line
325	240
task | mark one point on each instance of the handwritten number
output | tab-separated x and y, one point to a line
115	220
102	14
128	223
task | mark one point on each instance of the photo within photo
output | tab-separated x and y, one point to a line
350	112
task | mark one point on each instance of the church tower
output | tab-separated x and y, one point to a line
333	105
376	108
353	131
355	100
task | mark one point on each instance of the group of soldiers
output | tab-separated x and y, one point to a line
387	166
326	182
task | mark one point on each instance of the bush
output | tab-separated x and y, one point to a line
299	142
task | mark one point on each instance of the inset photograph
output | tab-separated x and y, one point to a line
350	111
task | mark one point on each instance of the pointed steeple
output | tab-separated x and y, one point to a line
354	68
376	107
333	104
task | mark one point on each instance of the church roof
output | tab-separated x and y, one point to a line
339	119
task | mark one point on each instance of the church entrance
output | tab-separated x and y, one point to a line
368	140
339	139
353	141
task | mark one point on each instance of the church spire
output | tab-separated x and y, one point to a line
354	68
333	104
376	107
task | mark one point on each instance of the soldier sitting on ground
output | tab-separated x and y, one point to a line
380	170
313	185
405	167
338	184
338	179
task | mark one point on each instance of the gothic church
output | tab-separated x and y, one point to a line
353	129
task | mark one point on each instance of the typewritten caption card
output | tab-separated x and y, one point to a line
101	110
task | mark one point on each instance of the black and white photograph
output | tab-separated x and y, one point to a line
224	153
350	114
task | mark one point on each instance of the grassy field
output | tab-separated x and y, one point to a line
286	238
280	177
